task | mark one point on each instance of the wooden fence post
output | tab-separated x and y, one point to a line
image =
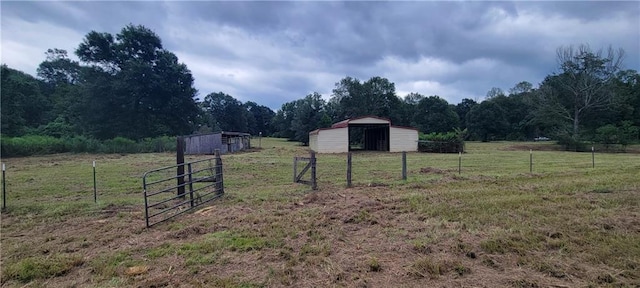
349	170
295	169
530	160
314	183
219	174
180	162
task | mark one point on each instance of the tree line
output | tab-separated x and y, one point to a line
129	86
589	99
125	85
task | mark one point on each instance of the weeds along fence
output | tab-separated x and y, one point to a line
168	194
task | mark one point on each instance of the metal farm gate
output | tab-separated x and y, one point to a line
171	191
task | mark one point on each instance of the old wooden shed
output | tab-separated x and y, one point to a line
227	142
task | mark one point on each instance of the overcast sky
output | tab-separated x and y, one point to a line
276	52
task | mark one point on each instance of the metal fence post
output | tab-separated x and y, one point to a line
4	188
593	157
95	189
190	183
459	163
146	201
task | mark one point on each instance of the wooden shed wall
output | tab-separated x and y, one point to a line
203	144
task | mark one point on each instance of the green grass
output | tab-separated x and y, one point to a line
563	221
40	267
111	265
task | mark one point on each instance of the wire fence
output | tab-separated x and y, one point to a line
46	182
371	168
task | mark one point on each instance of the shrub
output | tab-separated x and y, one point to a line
57	128
81	144
120	145
569	142
41	145
31	145
158	144
450	142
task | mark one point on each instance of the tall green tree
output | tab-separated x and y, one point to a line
434	114
225	113
626	102
487	121
410	109
583	84
135	87
521	87
462	109
308	116
262	117
494	92
63	83
23	105
281	122
516	113
375	96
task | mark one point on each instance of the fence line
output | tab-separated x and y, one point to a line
364	166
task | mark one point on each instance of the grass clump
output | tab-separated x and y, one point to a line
108	266
427	268
239	242
209	250
40	267
374	264
315	250
462	270
520	243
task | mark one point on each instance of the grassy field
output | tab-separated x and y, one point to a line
492	224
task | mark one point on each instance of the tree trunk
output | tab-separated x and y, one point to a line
576	122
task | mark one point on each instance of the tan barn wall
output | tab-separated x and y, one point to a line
333	140
313	142
403	139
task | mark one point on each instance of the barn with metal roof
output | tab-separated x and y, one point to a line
369	133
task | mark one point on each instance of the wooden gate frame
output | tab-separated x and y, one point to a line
297	177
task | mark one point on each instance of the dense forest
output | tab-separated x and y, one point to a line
128	89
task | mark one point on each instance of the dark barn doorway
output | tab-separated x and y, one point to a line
368	137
